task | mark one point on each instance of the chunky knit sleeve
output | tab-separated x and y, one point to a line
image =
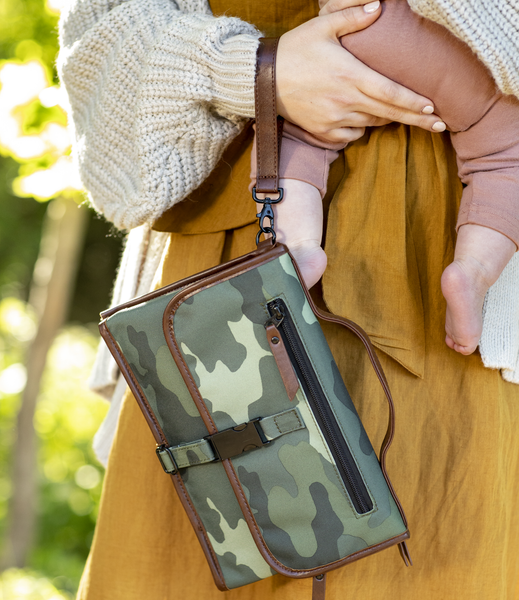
157	90
489	27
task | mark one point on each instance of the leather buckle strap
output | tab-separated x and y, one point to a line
230	442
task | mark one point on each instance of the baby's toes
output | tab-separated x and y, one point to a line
466	350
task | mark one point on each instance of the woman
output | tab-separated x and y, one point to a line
157	92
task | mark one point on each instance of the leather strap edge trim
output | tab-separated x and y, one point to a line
261	249
267	124
160	438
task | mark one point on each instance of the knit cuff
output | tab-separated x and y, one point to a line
233	66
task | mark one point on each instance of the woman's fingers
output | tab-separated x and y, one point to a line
380	113
349	20
399	103
393	96
330	6
322	88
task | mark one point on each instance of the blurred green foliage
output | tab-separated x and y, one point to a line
20	229
68	415
28	30
23	584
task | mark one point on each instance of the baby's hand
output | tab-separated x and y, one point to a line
480	256
299	225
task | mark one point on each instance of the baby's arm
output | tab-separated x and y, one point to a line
484	128
304	157
484	124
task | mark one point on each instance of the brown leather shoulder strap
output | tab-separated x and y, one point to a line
267	123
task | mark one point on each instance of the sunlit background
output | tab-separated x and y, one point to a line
57	262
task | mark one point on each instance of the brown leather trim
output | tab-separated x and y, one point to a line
319	587
269	557
169	333
404	553
200	532
156	429
263	247
286	370
160	438
265	253
267	127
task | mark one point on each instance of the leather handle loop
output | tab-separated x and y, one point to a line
268	125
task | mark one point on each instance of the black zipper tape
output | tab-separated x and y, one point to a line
280	317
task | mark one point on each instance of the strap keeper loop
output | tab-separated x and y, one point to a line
167	460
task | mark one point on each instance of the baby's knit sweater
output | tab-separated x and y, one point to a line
159	88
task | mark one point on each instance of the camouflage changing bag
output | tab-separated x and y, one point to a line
253	421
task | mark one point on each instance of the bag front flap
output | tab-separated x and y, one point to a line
135	336
292	491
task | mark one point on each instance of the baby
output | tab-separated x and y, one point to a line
484	128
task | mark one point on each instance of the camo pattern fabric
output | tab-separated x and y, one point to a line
292	485
139	335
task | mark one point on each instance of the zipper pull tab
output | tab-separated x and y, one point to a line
286	370
277	315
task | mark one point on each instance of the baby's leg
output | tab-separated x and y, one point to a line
299	225
480	256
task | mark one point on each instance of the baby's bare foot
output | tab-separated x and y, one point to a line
480	256
311	260
464	287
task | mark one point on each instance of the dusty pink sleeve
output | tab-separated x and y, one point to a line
488	163
484	124
302	157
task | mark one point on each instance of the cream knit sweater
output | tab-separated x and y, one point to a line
159	88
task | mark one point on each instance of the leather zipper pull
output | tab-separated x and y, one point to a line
404	553
319	587
286	370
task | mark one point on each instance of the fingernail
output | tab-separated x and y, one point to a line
439	126
371	7
428	110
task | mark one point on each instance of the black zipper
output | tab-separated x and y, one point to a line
280	317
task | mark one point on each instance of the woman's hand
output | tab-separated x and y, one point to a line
323	88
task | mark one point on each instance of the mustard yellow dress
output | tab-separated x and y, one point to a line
391	211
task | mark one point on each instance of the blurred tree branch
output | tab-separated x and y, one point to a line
51	289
